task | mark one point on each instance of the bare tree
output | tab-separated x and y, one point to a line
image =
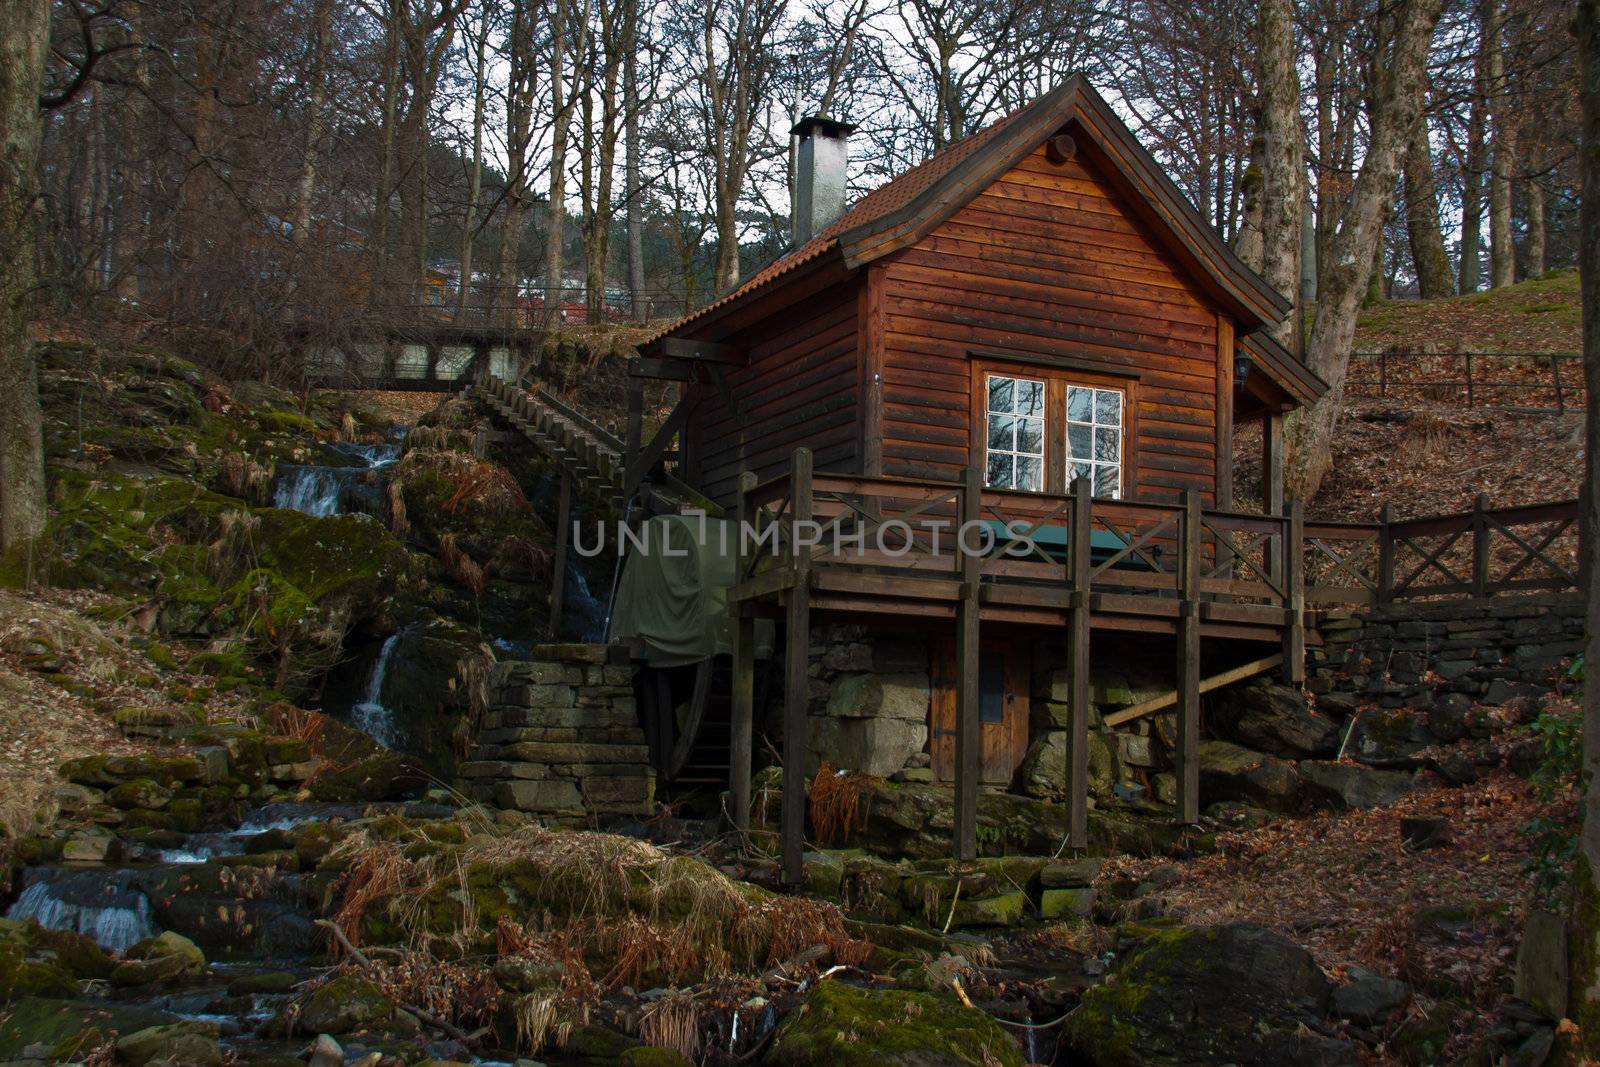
469	218
1399	70
22	54
1282	158
1423	231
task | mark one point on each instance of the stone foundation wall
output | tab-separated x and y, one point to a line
1412	655
869	700
562	737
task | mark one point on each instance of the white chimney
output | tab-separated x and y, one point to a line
819	154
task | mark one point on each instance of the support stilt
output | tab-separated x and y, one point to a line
741	735
1078	669
558	581
1188	665
797	677
967	667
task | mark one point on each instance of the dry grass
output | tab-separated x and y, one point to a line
834	800
461	568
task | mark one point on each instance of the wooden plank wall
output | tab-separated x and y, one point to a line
1047	263
800	388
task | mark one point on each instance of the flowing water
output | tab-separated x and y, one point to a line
584	614
371	716
322	490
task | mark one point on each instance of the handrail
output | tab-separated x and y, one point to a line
1270	561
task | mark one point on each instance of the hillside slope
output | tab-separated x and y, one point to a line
1541	315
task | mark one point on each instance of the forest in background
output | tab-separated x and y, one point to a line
226	168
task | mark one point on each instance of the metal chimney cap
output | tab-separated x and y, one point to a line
813	124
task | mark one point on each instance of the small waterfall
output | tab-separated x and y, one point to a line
370	716
585	613
322	490
103	904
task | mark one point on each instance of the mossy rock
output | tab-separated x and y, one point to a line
74	953
597	1044
23	977
269	982
345	1005
66	1027
650	1056
1226	994
139	793
190	1043
846	1026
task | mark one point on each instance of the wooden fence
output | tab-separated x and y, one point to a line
1531	381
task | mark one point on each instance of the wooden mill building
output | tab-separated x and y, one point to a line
1033	331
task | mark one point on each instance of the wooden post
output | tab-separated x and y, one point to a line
970	566
635	437
1188	665
1385	555
1480	547
1383	373
1469	379
558	582
1555	373
1078	669
1294	636
797	677
1272	481
742	732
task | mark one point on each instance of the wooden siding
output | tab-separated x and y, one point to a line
799	388
1046	264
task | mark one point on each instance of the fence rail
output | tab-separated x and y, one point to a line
1478	379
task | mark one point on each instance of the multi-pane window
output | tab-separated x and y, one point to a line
1015	433
1094	438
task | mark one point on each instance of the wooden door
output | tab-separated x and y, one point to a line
1003	683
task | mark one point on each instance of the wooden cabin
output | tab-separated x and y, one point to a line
1033	325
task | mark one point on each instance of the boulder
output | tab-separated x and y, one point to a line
170	944
1226	994
1062	903
69	1028
1390	738
1233	772
872	696
1541	977
325	1052
184	1044
1043	772
845	1026
346	1004
1369	998
1274	719
876	746
1351	785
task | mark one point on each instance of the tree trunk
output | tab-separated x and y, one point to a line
1533	249
1471	266
127	239
1502	242
321	42
1583	966
1400	74
469	220
562	22
1432	263
391	96
633	177
1283	159
519	115
22	54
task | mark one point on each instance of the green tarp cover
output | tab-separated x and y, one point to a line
673	594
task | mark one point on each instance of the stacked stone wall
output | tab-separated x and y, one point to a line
562	737
1416	654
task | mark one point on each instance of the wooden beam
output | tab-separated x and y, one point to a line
1294	635
1271	463
1216	681
648	367
968	695
797	681
1078	627
699	351
639	464
1188	665
741	733
558	582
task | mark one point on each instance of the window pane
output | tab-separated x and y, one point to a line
1107	480
1106	442
1030	436
1030	398
1000	394
1030	473
1079	470
1079	441
1002	432
1000	470
1079	403
1108	407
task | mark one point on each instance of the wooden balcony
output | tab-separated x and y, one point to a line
886	549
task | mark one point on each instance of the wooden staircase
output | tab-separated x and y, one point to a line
592	455
695	754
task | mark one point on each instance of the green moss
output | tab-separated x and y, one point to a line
65	1026
286	422
1583	956
847	1026
650	1056
23	977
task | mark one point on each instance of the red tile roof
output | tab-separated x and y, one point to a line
886	198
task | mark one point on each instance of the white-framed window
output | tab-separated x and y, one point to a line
1095	422
1015	454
